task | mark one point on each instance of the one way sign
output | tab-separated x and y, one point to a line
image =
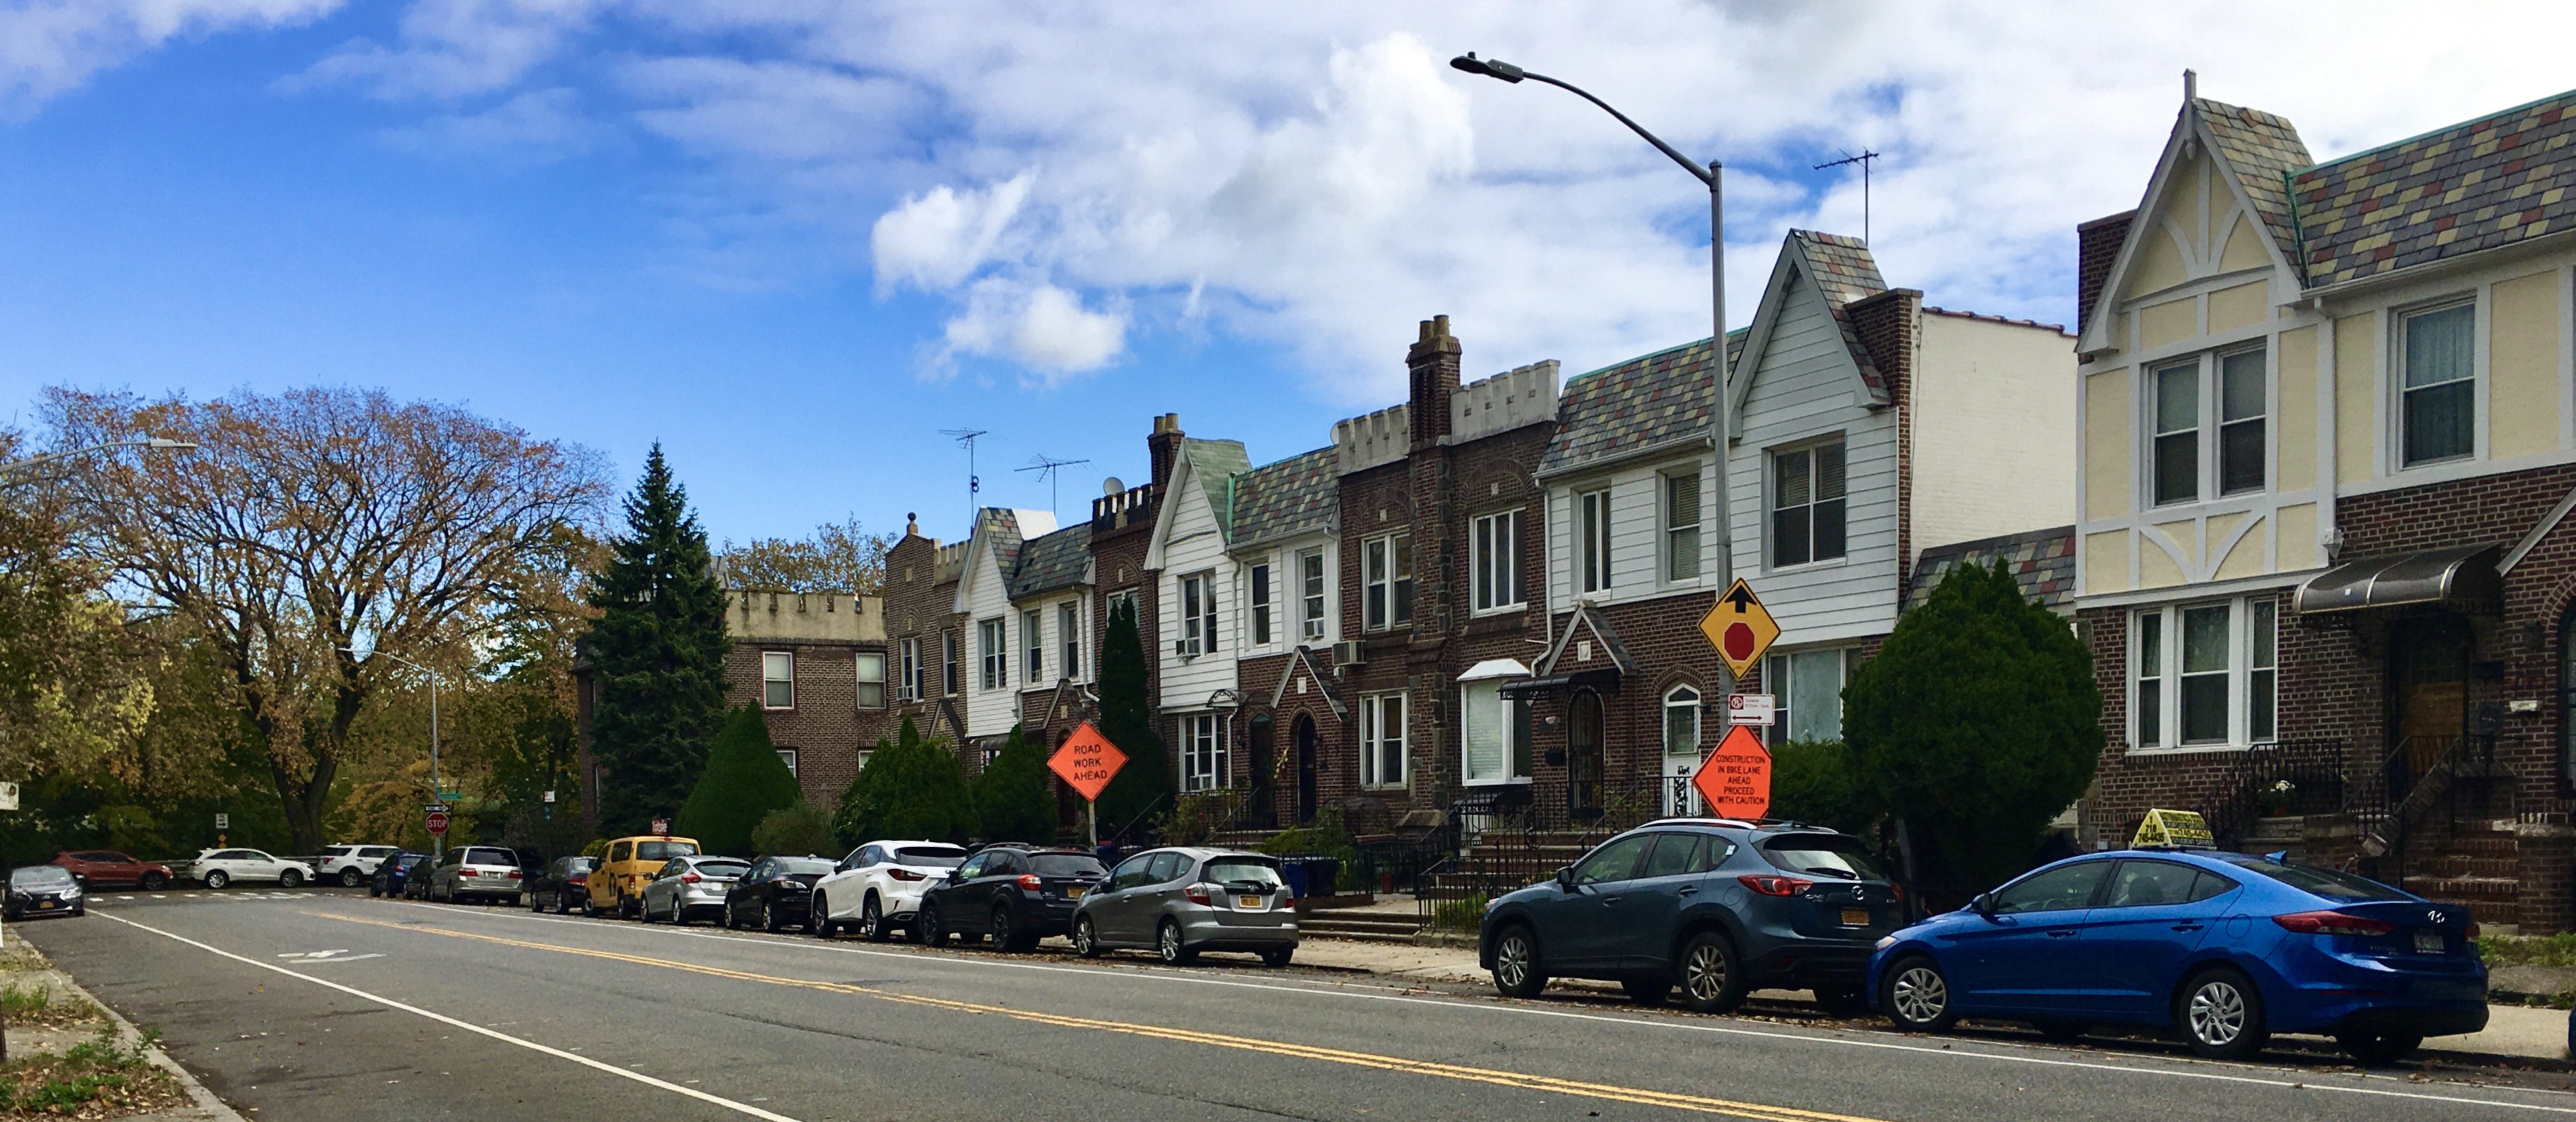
1740	628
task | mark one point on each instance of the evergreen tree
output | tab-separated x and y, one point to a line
1012	799
794	830
657	652
911	789
1127	719
744	781
1977	723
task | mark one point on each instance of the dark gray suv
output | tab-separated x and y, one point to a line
1716	906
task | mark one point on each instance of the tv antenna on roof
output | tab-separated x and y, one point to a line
974	483
1863	160
1046	465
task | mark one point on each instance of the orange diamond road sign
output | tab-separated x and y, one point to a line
1087	761
1735	780
1740	628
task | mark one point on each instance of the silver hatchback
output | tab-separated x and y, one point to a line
691	884
1180	901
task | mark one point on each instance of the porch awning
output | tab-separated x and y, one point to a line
2462	578
1605	679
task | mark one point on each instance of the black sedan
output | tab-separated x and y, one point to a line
393	874
43	890
1016	894
775	894
561	885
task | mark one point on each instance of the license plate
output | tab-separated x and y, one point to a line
1075	893
2428	942
1249	903
49	904
1855	917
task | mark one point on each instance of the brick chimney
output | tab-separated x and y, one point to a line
1433	366
1165	445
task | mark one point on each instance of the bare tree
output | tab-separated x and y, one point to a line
312	528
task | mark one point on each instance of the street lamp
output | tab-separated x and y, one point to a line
1712	176
160	443
437	843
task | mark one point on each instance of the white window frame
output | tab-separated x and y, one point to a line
1386	582
1592	526
788	756
1032	646
1482	704
1261	596
1204	764
952	669
861	682
1068	619
1670	531
909	683
2252	674
2210	425
1135	601
993	653
1779	680
1383	742
777	672
1494	563
1772	511
2402	321
1314	593
1197	594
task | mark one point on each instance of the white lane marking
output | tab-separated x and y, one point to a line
129	897
585	1061
2307	1083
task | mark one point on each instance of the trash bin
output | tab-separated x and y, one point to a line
1323	874
1293	870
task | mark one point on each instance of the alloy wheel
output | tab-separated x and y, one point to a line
1512	961
1086	942
818	917
2217	1013
872	922
1168	942
217	879
1920	995
349	878
1706	973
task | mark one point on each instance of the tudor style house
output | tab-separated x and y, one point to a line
1866	427
2329	448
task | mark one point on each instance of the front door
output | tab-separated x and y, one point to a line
1263	766
1583	758
2428	661
1305	737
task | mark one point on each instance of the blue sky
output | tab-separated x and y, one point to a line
792	242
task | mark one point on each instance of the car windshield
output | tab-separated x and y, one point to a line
1824	855
930	856
39	876
1231	870
664	851
723	868
1066	865
2329	883
792	866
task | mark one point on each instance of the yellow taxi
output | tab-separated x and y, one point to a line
617	885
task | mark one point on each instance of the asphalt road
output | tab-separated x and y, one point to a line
323	1005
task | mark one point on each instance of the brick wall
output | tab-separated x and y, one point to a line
825	726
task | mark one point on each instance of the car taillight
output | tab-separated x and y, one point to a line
1773	884
905	874
468	873
1031	882
689	878
2333	923
516	874
1198	894
2473	933
578	878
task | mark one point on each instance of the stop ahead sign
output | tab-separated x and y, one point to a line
437	823
1087	761
1735	780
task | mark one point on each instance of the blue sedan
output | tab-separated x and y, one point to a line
2227	947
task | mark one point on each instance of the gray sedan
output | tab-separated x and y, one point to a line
690	884
1180	901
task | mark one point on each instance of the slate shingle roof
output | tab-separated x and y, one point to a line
1292	496
2477	185
1844	270
2041	561
1213	466
1641	403
1004	537
2263	150
1057	560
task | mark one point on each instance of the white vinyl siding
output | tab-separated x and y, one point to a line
1261	602
1033	647
1197	594
1592	548
993	650
1192	546
1068	625
1314	589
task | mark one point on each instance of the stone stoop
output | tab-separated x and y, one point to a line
2273	835
2478	866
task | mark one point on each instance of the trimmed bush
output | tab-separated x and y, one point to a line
794	831
1012	799
1811	781
910	788
744	781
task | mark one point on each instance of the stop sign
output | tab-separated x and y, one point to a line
438	823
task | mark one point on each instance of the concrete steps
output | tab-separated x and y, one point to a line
1379	927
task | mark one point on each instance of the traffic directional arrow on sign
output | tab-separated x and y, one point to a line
1740	628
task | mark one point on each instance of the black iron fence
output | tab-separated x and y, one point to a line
2289	777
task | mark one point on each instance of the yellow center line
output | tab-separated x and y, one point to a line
1759	1112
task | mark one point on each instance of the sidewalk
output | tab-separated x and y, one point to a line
2512	1031
23	967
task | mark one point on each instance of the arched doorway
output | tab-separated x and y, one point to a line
1263	769
1303	732
1583	757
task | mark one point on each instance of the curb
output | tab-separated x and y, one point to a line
206	1104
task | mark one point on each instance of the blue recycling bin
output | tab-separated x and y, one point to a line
1293	870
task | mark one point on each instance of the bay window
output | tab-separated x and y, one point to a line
1494	733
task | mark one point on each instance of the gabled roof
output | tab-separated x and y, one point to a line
2041	561
1843	273
1588	620
2262	150
1317	669
1641	404
1213	466
1293	496
2477	185
1058	560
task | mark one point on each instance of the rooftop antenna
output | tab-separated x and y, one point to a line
1863	160
1046	465
974	483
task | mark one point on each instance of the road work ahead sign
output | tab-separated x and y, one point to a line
1740	628
1735	780
1087	762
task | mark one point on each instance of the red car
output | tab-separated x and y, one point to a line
107	866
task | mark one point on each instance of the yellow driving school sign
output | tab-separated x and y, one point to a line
1740	628
2175	829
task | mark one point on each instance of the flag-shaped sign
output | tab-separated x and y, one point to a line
1739	627
1735	780
1087	761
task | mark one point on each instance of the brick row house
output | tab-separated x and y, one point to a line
2329	448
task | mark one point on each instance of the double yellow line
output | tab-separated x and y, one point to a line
1516	1080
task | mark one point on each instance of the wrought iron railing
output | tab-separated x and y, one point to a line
2394	795
2288	777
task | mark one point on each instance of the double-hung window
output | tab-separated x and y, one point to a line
1807	504
1203	762
1386	582
2235	387
950	677
1068	628
1681	525
911	679
2440	395
1807	694
1310	593
2244	395
1592	520
1033	644
2204	674
1496	733
1198	616
994	648
1382	755
1493	561
777	680
1259	599
2177	432
871	671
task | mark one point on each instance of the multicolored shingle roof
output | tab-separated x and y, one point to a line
2263	150
2479	185
1642	403
1844	271
1292	496
2041	561
1213	466
1002	533
1055	561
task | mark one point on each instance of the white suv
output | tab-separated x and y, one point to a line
219	867
878	887
353	865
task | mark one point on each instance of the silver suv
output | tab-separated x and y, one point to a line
1181	901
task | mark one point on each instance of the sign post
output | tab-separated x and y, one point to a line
1086	763
1735	780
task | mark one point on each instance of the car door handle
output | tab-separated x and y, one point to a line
2061	933
2186	927
1687	890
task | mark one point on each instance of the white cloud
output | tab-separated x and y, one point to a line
49	47
532	127
938	238
1038	325
459	48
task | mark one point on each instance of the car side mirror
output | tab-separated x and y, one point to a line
1565	878
1983	905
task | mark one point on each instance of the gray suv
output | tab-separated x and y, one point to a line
1178	902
